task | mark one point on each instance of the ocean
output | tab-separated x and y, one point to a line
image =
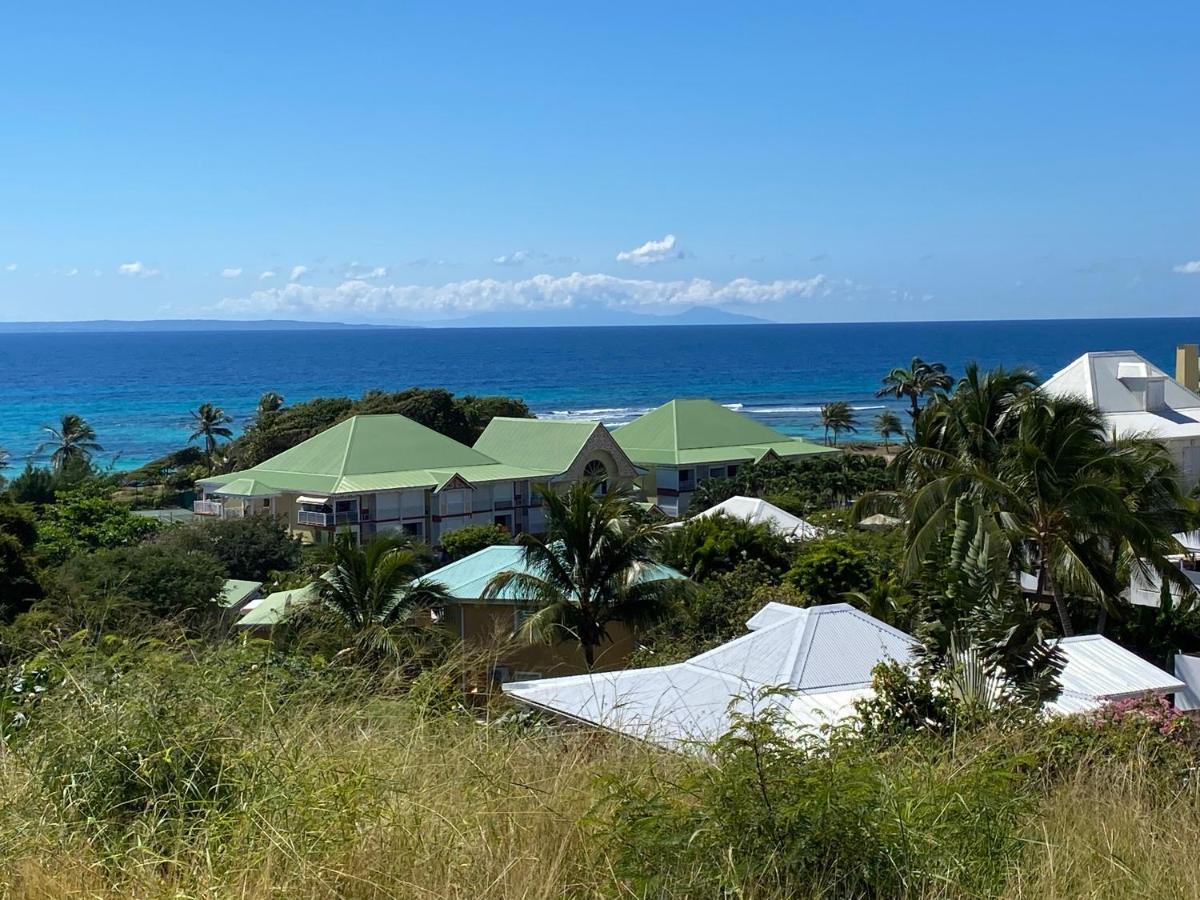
136	388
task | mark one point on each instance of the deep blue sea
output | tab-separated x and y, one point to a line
137	388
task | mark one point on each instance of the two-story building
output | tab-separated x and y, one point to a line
379	474
684	443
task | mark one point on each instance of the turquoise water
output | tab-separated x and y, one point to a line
137	388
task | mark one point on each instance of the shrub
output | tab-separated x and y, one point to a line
252	547
704	547
85	520
785	816
464	541
829	568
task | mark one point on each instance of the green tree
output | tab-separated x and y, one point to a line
74	440
270	402
210	422
252	547
837	416
595	565
704	546
920	379
830	568
463	542
887	426
82	521
375	591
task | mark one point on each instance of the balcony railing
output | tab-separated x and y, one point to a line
327	519
207	507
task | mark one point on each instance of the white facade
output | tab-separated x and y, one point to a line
1137	398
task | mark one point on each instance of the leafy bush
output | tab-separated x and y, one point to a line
780	816
829	568
85	520
704	547
463	542
252	547
803	485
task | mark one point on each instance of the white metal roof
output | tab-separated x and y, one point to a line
823	655
1098	670
1109	380
755	510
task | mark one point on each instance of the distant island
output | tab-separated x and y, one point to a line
572	318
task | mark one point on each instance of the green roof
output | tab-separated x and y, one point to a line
274	608
372	453
236	592
467	578
540	443
687	432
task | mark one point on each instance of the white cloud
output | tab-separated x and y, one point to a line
96	273
1188	268
516	258
232	273
11	267
298	272
358	270
266	275
540	292
136	270
71	273
652	252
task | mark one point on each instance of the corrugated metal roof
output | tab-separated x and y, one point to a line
538	443
811	651
371	453
757	511
468	578
700	431
274	608
236	591
1098	668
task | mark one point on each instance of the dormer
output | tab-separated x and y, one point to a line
1145	385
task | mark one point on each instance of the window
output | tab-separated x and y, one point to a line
414	529
438	614
597	472
731	471
685	477
454	503
716	472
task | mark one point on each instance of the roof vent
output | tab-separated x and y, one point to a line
1147	386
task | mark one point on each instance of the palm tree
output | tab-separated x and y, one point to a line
5	459
210	422
376	589
270	402
595	565
837	417
74	440
919	380
887	425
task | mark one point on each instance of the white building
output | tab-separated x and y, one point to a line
1138	398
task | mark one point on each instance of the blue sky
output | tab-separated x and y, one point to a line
800	162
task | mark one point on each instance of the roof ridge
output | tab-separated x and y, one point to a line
349	441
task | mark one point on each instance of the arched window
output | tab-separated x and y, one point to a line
597	472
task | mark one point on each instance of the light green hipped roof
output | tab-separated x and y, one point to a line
236	592
274	608
467	578
541	443
686	432
374	453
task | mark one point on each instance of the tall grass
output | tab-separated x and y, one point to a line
236	775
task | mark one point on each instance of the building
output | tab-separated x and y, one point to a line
684	443
492	625
822	657
381	474
572	451
757	511
1138	398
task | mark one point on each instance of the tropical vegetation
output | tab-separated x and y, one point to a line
210	423
73	440
838	416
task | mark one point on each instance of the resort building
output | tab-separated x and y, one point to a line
823	656
383	474
1138	398
684	443
492	625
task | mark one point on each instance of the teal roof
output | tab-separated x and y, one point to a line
540	443
688	432
467	578
236	592
274	608
371	453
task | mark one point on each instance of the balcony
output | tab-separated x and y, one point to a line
208	507
327	519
